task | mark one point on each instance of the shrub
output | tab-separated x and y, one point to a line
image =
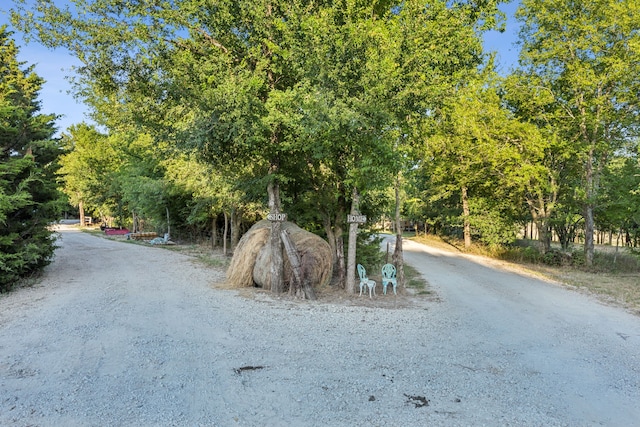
554	258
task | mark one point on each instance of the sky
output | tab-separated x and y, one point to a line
55	66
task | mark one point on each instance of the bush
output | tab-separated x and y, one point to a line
368	251
578	258
623	261
522	254
554	258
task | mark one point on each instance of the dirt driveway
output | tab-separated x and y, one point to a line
127	335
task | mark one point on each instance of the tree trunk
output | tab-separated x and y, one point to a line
81	211
589	225
350	285
224	234
236	222
336	242
275	241
466	215
542	226
541	211
168	224
588	211
331	238
398	254
214	232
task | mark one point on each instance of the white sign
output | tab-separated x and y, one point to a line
279	217
360	219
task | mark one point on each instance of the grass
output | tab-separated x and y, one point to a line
415	282
203	253
614	277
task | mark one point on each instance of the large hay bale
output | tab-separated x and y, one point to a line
240	271
251	260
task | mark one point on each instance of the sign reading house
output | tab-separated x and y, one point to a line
359	219
277	217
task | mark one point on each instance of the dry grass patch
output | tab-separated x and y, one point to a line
619	289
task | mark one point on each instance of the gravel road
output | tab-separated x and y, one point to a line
126	335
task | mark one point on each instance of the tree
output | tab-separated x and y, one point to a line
584	57
376	72
80	172
619	202
233	81
212	193
212	77
29	199
483	154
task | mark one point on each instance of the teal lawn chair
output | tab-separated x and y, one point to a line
365	281
389	277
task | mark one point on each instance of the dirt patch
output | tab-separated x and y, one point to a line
335	295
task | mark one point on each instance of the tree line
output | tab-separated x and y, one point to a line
29	196
212	114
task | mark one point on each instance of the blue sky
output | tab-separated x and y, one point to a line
55	66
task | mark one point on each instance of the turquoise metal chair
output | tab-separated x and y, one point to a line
365	281
389	277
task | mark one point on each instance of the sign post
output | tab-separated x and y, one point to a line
277	217
356	219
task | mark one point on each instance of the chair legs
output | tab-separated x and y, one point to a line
387	283
371	284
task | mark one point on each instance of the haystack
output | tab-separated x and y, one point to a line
251	260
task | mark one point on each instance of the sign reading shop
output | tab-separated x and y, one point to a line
358	219
278	217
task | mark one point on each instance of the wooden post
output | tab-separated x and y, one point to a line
350	285
301	279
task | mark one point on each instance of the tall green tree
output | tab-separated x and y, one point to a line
376	74
91	172
212	194
237	80
29	199
81	171
486	157
211	75
584	58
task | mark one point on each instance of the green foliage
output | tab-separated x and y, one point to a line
619	202
320	98
555	258
29	200
580	64
493	225
482	150
368	251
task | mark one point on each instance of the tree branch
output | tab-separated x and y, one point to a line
211	40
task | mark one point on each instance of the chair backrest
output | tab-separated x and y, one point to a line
362	272
388	271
